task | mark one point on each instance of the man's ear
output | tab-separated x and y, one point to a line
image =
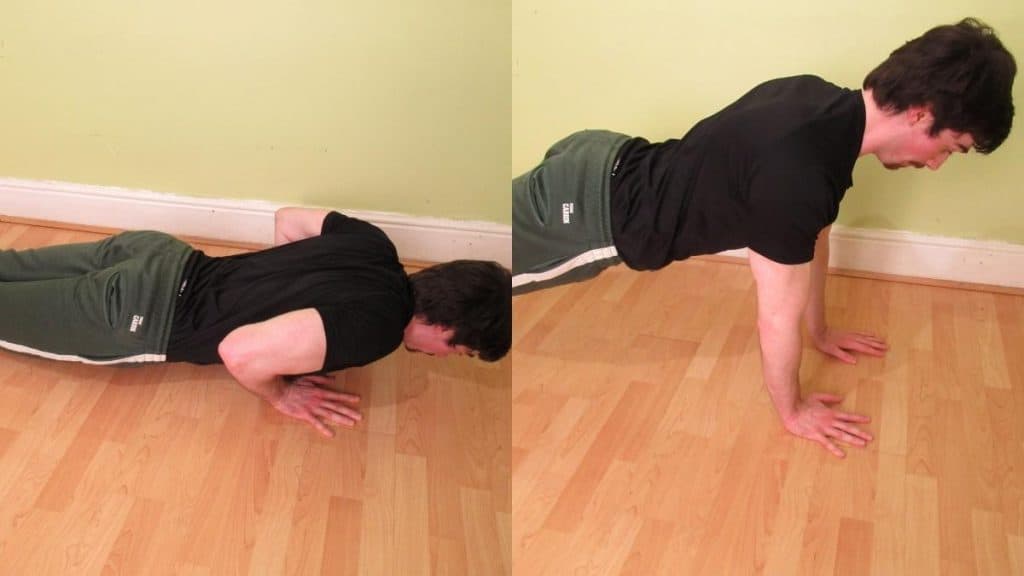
917	114
441	333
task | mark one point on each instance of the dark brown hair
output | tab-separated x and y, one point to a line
473	298
961	72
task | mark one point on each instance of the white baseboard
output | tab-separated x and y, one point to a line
936	257
251	221
916	255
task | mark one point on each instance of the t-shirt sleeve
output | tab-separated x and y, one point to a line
338	223
360	333
788	210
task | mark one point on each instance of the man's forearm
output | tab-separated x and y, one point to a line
780	364
814	313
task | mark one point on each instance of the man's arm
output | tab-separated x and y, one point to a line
832	342
291	224
260	355
782	294
814	313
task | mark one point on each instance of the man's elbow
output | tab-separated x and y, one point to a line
234	353
281	216
281	234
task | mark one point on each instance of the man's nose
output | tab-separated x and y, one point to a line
938	161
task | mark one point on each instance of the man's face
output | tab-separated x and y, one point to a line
918	149
433	340
439	349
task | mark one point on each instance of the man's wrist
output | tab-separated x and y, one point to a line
787	410
274	391
817	332
791	416
815	325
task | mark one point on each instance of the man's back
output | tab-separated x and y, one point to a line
768	172
350	274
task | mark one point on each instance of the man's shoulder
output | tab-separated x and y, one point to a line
336	223
799	118
800	95
799	81
342	231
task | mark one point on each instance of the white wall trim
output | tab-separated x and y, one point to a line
417	238
935	257
916	255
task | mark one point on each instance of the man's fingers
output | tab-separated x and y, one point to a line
334	418
843	349
827	398
340	415
851	439
851	417
320	426
872	339
866	348
830	445
337	419
341	397
843	344
846	437
333	396
343	410
843	355
853	431
348	398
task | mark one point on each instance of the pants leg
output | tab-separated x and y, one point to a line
68	260
73	316
119	309
561	226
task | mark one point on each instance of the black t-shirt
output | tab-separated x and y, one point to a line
350	274
767	172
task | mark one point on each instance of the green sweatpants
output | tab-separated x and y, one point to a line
561	223
104	302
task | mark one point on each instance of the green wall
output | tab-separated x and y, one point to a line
395	105
654	67
409	106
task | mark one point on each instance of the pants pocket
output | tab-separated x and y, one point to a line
113	303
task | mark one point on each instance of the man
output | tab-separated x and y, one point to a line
767	173
330	295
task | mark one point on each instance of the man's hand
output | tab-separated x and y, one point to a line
308	398
815	420
842	344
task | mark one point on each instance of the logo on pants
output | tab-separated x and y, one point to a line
567	210
136	322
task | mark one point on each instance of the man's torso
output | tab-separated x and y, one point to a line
766	172
350	274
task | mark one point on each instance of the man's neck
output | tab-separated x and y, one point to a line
876	125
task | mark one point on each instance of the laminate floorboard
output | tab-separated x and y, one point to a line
644	443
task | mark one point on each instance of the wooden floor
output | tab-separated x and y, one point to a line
643	442
175	469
